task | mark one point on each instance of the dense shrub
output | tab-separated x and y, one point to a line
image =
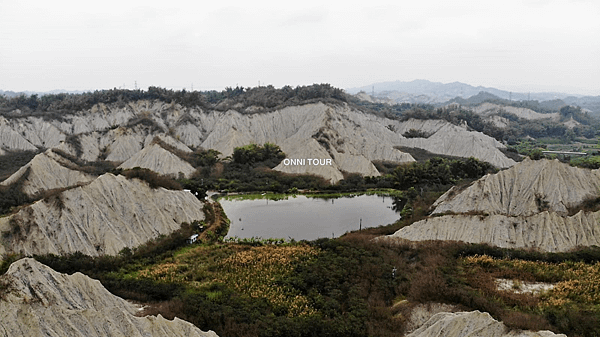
269	155
414	133
12	161
12	195
439	171
153	179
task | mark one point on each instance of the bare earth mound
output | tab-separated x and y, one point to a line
525	189
42	302
159	160
546	231
107	215
471	324
48	171
526	206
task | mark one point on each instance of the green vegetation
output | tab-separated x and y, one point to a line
320	195
12	161
153	179
413	133
343	287
269	155
12	195
591	162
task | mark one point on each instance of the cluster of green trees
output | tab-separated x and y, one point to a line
269	155
438	171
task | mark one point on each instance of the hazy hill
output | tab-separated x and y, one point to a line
436	93
452	90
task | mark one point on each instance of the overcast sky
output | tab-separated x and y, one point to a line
530	45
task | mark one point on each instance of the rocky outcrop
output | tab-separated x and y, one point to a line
526	206
42	302
159	160
48	171
524	189
471	324
103	217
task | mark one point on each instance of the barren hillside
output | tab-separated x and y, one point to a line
103	217
350	137
41	302
526	206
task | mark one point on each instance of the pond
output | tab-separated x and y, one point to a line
303	218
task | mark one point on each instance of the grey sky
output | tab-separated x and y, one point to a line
530	45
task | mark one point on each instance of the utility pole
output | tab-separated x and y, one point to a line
192	86
135	85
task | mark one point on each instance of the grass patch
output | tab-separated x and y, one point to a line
322	195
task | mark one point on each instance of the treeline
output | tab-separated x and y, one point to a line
266	97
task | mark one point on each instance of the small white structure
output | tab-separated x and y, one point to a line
193	238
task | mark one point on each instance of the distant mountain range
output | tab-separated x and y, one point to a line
437	93
454	89
39	93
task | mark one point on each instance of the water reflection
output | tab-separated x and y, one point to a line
304	218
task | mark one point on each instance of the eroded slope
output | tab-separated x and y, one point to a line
47	171
526	206
42	302
351	138
525	189
103	217
471	324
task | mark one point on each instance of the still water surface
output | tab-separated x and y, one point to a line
303	218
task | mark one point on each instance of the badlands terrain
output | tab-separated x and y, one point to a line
533	205
351	138
100	196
